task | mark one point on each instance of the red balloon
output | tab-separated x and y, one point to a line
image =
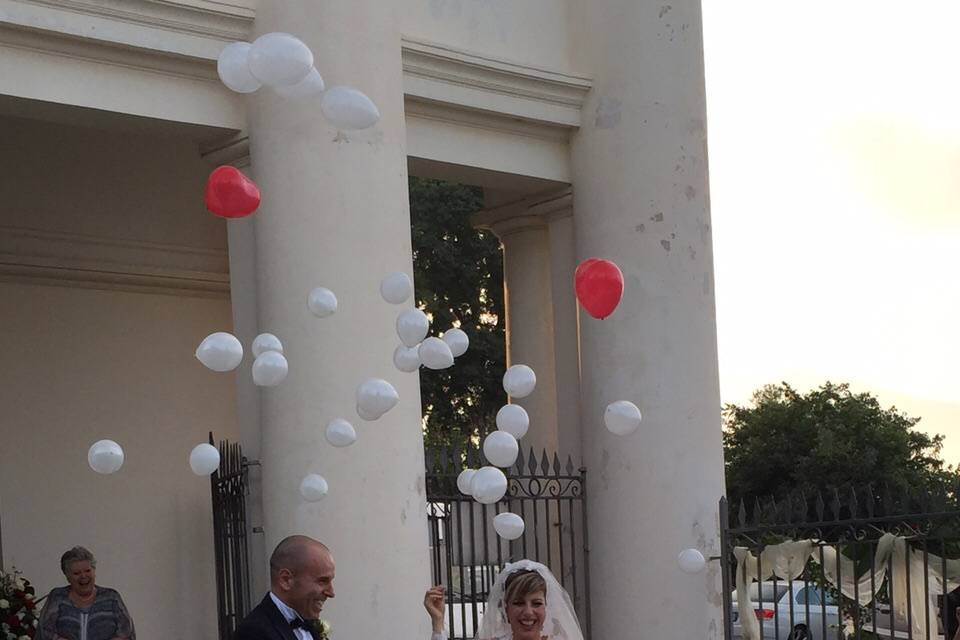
599	286
230	194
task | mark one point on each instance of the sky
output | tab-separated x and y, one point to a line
834	133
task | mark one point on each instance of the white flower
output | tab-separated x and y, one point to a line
4	604
24	637
28	596
325	627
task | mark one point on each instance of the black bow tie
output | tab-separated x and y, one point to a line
299	623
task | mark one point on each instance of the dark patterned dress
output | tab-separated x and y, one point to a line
105	619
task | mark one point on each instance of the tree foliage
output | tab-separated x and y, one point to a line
458	277
829	437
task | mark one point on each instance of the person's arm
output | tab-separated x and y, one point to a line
47	622
125	630
433	603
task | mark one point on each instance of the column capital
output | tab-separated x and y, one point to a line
531	212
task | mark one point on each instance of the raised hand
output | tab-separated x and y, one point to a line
433	603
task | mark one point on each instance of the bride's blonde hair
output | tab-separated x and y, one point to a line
522	583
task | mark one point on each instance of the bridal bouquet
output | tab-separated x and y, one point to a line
18	615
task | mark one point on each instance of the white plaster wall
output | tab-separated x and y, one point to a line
79	364
533	32
122	186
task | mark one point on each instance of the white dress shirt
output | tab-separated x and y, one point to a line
290	615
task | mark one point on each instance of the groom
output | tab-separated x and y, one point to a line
301	580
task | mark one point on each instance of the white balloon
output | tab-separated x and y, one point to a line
220	351
266	342
341	433
278	59
396	287
457	340
500	449
464	480
691	561
375	397
406	359
269	369
513	419
204	459
435	354
412	326
233	69
488	485
519	381
310	86
508	526
105	456
622	417
313	487
322	302
369	416
348	108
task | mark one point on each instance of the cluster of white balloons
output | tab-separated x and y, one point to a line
284	63
375	396
415	348
223	352
488	485
106	457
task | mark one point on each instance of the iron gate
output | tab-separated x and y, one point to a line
466	553
847	528
228	486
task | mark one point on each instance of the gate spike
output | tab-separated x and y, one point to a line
871	500
570	467
556	464
544	463
532	462
519	464
742	514
820	506
835	504
854	504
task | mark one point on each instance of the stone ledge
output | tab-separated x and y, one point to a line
436	73
80	260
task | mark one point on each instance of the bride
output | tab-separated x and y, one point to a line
526	603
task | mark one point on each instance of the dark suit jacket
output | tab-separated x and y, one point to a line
265	622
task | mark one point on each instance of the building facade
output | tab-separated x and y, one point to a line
585	125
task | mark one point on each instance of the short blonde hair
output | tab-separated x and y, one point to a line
520	584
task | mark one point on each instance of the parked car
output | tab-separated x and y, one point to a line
788	611
774	614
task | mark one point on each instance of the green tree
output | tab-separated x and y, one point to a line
826	438
458	276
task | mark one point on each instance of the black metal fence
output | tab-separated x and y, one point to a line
228	486
876	564
466	552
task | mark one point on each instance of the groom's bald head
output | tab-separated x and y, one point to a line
294	553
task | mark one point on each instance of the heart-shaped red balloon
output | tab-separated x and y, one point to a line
230	194
599	286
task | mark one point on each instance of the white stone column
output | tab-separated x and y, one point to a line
528	301
335	214
641	200
566	339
